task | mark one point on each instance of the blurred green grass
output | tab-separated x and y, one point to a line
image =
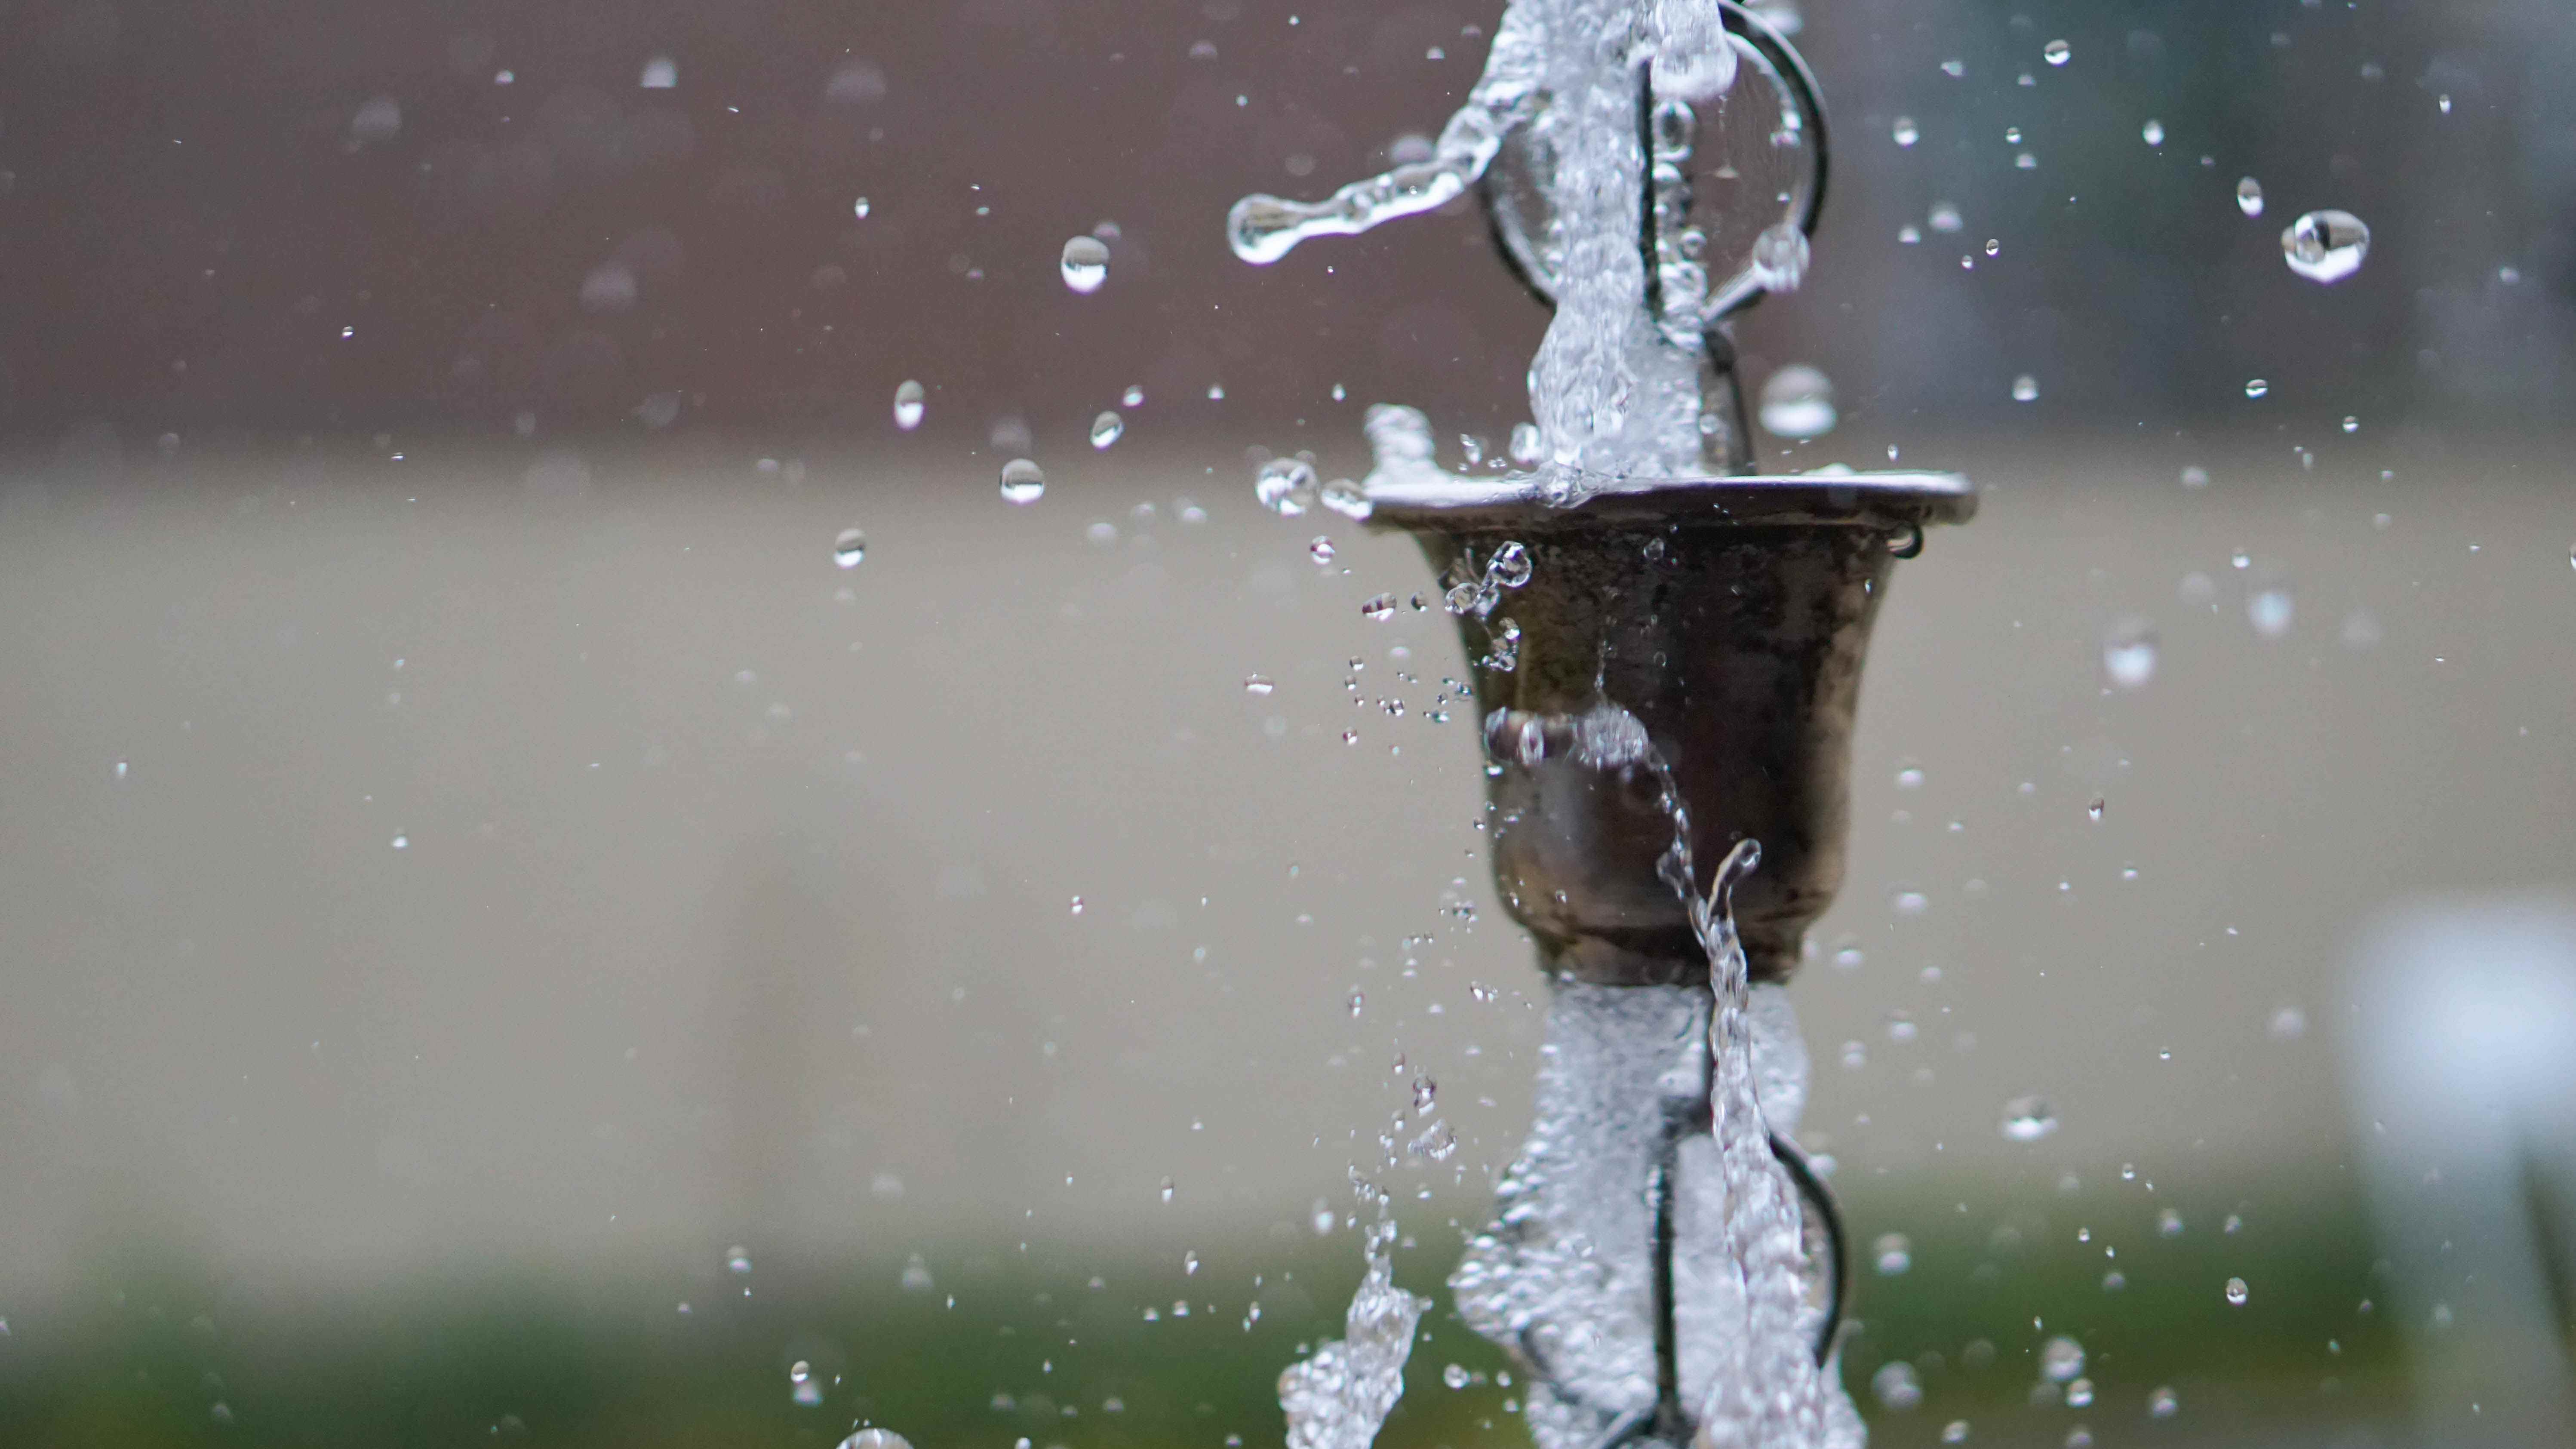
1051	1343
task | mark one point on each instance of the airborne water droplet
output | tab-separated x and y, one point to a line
2061	1359
1347	499
1380	607
2249	196
1022	481
1107	429
908	403
1892	1254
1285	486
1798	403
1258	684
1780	256
1896	1385
2153	132
1906	132
2129	652
2256	387
2236	1292
1085	263
849	548
2025	388
876	1439
1455	1376
859	208
2162	1404
2057	52
2270	609
2028	1119
2325	246
1321	550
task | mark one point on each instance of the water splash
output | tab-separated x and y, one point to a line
1615	385
1338	1398
1564	1277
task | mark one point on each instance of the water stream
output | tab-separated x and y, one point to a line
1659	1089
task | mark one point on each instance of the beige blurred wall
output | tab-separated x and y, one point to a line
735	903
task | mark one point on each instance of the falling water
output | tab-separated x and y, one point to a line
1665	1088
1633	1081
1615	394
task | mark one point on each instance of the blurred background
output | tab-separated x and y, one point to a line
510	931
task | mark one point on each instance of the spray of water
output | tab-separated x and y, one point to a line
1341	1395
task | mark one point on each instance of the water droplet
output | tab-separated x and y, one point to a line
1896	1386
799	1371
1945	218
1510	566
1780	256
2094	810
2269	609
849	548
1525	444
2195	476
1321	550
1954	68
402	842
859	208
1425	1091
2249	196
2057	52
2325	246
2079	1394
1908	902
738	1258
1994	247
2061	1359
1258	684
2154	132
1955	1432
1285	486
2236	1292
2025	388
1347	499
1085	263
2162	1404
1380	607
1798	403
1022	481
1107	429
876	1439
1167	1189
1189	1263
661	73
2028	1119
1909	777
2256	387
1077	905
908	402
1359	1002
2169	1224
1907	133
1893	1253
1909	235
1455	1376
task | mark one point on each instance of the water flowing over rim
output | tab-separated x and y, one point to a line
1548	500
